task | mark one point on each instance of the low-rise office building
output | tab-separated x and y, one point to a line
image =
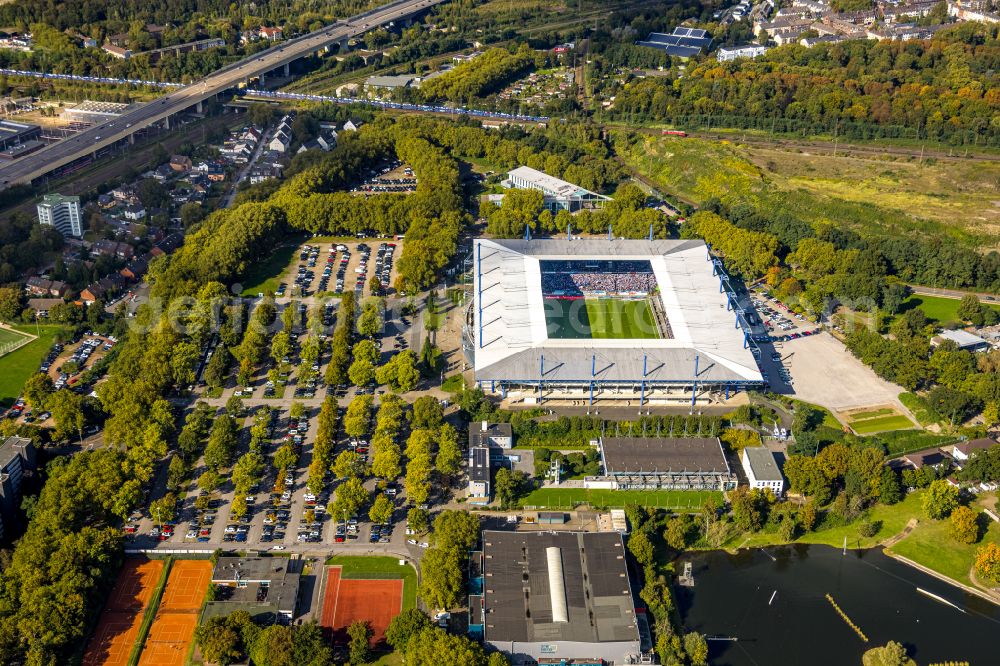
17	460
266	587
762	470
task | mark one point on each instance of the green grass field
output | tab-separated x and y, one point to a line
892	520
867	426
8	336
264	276
600	318
930	544
937	309
567	498
16	367
379	567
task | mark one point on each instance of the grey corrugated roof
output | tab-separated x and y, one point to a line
621	365
516	588
662	454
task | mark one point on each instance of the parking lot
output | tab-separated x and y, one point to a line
395	178
333	268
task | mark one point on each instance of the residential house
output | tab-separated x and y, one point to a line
180	163
479	491
37	286
168	244
962	451
280	142
117	51
261	172
353	125
272	34
135	269
134	211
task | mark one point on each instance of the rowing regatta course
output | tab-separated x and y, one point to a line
774	604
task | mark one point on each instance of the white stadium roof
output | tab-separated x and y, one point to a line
512	341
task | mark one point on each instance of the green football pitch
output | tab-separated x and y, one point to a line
600	318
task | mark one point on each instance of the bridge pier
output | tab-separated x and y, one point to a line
131	139
287	70
200	106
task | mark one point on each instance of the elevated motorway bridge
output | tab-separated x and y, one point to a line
93	140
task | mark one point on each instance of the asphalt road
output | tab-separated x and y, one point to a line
98	137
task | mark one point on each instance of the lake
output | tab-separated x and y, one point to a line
773	601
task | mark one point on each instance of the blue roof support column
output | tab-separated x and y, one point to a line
610	237
541	375
650	231
591	393
727	391
746	340
642	386
694	384
569	231
527	232
493	386
503	391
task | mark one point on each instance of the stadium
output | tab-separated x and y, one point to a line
651	321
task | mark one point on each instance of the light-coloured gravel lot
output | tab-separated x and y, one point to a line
826	374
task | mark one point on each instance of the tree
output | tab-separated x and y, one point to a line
297	410
964	525
10	303
641	547
507	485
67	411
456	529
273	646
358	416
37	390
386	463
408	623
988	562
218	642
350	496
209	481
176	473
449	456
433	646
164	509
940	499
381	510
234	406
247	471
891	654
362	372
696	648
441	577
285	457
427	412
349	464
746	512
891	491
497	659
416	520
359	646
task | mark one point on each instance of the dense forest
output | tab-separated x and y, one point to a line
943	89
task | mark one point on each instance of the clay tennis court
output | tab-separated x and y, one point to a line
187	585
118	627
169	639
177	616
346	600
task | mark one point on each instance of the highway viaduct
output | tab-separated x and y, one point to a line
90	142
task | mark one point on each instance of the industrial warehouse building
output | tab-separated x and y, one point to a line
673	463
632	321
557	595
